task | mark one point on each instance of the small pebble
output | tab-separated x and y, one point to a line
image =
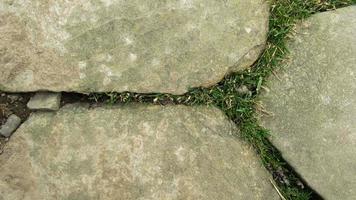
11	124
243	89
13	97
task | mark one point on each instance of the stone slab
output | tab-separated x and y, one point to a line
164	46
131	152
314	104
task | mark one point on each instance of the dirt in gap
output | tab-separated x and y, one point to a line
12	103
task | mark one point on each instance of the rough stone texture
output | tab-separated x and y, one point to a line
314	104
45	101
131	152
141	46
11	124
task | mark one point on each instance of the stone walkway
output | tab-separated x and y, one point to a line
135	151
314	104
140	151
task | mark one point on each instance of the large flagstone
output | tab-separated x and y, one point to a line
137	45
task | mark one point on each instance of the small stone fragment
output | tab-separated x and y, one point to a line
14	97
10	125
45	101
243	89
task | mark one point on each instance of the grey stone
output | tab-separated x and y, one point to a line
11	124
131	152
45	101
313	105
141	46
243	89
14	97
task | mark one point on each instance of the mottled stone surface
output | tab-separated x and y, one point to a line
141	46
314	104
45	101
131	152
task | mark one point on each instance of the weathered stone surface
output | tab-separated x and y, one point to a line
138	45
45	101
11	124
314	104
131	152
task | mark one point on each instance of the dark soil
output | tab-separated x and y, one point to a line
12	103
68	98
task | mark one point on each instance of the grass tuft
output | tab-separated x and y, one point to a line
240	107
